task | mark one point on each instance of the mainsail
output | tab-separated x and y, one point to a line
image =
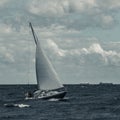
47	78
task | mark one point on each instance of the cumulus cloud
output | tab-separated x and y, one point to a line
110	4
52	45
92	55
85	63
6	55
56	7
5	28
2	2
72	14
46	7
106	57
77	14
60	25
109	57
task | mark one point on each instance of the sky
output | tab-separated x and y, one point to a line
80	37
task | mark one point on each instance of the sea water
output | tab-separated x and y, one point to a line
82	102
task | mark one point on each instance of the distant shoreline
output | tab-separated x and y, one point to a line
68	84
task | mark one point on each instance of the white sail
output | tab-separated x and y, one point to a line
46	75
47	78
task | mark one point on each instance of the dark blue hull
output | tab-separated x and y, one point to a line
56	96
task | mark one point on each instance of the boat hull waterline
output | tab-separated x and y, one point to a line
56	96
59	95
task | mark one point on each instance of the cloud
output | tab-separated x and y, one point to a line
93	54
3	2
75	14
93	64
71	14
60	25
109	57
54	47
47	7
6	55
110	4
5	28
96	52
57	8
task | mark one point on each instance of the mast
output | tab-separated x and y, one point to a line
36	42
34	36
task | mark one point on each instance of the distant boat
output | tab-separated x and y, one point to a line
48	82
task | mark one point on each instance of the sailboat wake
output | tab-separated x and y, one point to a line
56	99
53	99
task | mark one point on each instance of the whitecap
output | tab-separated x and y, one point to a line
21	105
16	105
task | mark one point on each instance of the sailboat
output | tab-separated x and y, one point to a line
49	85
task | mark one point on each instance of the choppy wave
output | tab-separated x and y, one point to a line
91	102
16	105
66	99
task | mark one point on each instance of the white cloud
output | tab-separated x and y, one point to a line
39	7
108	4
109	57
56	7
2	2
72	14
93	55
59	24
5	28
108	20
52	45
6	55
